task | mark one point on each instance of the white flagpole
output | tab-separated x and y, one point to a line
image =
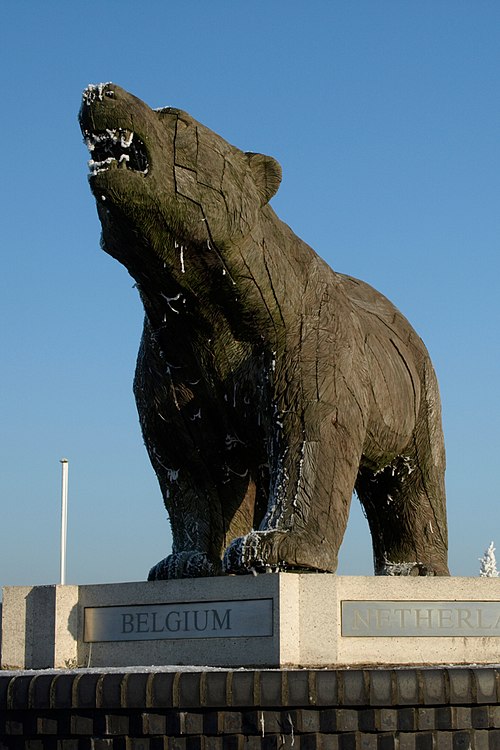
64	517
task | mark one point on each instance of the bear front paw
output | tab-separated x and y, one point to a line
184	565
260	552
243	555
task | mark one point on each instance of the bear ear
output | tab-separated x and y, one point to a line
266	173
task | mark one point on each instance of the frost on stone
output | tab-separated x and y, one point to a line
488	561
95	91
389	568
189	564
169	301
181	248
116	147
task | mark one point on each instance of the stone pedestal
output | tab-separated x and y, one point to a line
274	620
39	627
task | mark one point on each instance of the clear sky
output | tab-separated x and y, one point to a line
385	117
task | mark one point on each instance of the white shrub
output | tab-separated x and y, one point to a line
488	563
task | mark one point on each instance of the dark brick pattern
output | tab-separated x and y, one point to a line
358	709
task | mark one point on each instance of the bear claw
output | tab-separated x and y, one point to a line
183	565
265	552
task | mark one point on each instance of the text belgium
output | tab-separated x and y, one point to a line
185	621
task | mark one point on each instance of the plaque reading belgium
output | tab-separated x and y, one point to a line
232	619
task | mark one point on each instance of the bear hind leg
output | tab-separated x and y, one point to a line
405	511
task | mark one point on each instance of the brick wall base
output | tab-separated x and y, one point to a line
360	709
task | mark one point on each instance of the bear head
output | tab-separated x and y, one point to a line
168	178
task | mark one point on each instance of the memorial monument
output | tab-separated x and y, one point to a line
268	386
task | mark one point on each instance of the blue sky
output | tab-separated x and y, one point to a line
385	116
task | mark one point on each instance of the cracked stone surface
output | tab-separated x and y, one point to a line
268	386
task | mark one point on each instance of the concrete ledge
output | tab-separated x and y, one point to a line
274	620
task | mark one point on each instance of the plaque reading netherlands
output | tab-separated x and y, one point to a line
420	618
231	619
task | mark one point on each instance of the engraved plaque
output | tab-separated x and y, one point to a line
420	618
211	619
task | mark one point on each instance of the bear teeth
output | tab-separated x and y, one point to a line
116	147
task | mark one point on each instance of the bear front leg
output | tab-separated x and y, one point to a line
311	488
315	439
192	553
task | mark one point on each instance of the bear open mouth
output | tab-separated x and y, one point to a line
116	148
